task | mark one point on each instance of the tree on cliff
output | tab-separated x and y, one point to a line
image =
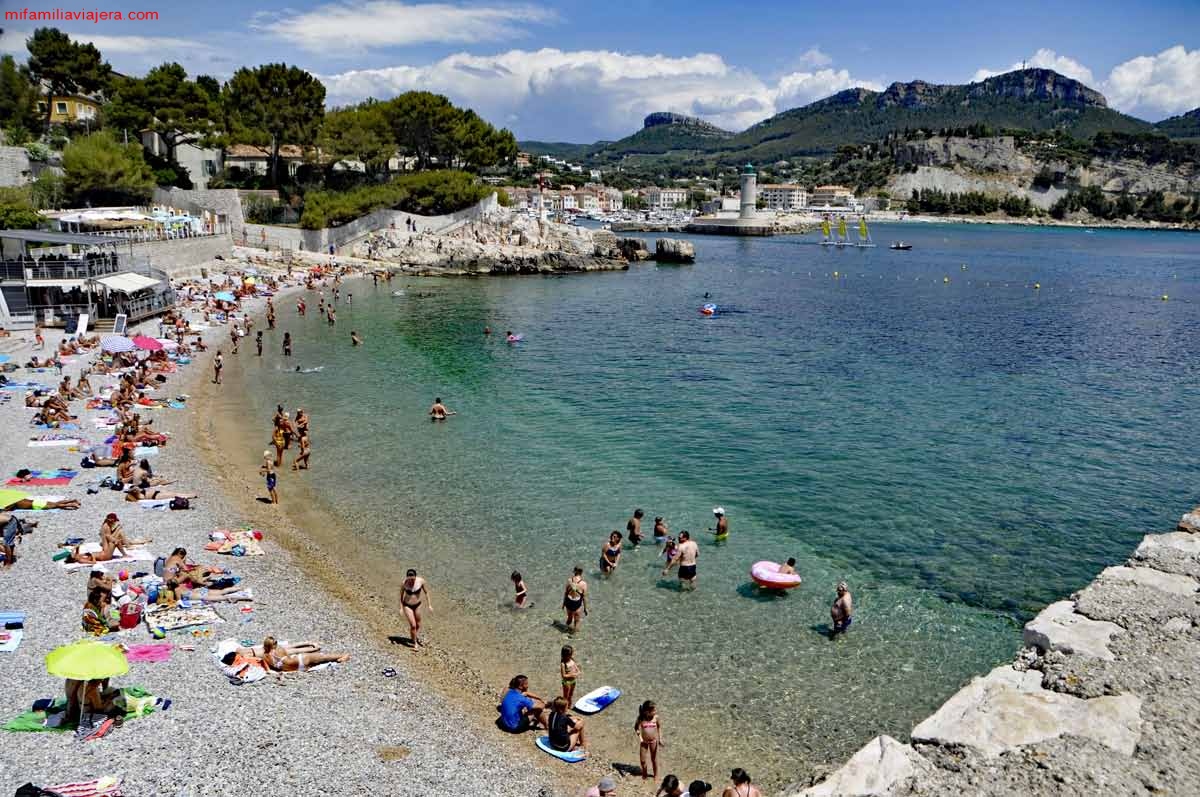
166	102
429	128
64	67
360	133
18	102
273	105
101	171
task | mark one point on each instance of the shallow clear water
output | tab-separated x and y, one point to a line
961	452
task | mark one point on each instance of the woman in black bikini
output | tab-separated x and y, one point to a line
410	603
610	554
575	599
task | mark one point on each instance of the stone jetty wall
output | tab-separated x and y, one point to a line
1103	700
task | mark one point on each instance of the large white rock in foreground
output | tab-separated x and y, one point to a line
874	771
1058	627
1007	709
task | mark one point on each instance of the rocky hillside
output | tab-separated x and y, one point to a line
1183	126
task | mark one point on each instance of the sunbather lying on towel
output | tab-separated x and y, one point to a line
154	494
172	592
106	553
280	661
42	503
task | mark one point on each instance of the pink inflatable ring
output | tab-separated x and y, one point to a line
766	574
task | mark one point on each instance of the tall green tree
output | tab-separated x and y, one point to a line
273	105
360	133
423	126
18	98
99	170
61	66
166	102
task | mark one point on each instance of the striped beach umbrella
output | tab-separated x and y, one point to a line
116	343
146	344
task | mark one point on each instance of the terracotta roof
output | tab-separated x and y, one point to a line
250	151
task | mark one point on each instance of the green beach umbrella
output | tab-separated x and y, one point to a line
87	660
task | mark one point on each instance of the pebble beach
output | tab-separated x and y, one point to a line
348	729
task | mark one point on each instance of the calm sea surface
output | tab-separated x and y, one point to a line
959	446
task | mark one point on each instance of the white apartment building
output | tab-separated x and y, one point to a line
587	201
665	198
784	197
832	195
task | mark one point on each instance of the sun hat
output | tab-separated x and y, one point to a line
719	510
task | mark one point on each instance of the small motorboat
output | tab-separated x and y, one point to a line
900	245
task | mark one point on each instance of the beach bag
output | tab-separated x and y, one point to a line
160	565
180	503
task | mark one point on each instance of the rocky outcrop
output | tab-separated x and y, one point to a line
660	118
673	250
633	249
1101	702
1039	84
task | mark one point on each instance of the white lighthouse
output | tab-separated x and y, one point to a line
749	188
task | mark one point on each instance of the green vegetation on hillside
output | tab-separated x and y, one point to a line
428	193
971	203
1183	126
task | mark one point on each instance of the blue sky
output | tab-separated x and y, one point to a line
579	71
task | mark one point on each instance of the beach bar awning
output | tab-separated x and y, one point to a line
126	283
65	284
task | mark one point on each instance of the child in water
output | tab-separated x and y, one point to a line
570	672
670	549
520	601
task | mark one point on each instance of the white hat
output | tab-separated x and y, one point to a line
718	510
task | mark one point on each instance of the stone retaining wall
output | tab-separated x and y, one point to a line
181	258
1102	701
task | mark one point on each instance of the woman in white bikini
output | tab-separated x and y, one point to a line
411	592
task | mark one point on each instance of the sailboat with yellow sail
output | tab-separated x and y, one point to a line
826	232
864	235
843	237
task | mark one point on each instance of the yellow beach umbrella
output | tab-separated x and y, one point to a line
10	497
87	660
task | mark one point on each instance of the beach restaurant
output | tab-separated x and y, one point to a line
54	277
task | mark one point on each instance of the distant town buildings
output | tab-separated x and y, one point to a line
833	195
785	197
664	198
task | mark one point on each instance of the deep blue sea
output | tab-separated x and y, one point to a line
961	446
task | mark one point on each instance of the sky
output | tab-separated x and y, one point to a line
584	70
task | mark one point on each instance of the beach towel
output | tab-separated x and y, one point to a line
134	556
23	386
107	786
234	543
145	451
174	619
244	668
138	703
11	640
50	441
154	503
44	478
12	618
160	651
43	498
63	426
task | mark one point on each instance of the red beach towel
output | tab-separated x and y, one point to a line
150	653
102	787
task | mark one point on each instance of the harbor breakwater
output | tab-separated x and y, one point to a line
1102	700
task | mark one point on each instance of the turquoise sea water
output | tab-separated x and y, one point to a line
962	452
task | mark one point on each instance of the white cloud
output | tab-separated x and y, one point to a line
591	94
1045	59
1158	85
1151	86
390	23
813	56
134	54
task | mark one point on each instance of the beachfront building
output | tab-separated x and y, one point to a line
202	163
784	197
611	200
54	277
71	108
832	195
665	198
587	201
257	160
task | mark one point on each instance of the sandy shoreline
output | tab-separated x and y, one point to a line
347	731
463	659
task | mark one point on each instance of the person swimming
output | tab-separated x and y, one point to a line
438	411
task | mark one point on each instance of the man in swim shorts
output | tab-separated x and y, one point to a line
721	532
634	527
842	609
685	557
438	411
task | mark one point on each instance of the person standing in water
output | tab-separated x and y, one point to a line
287	344
438	411
721	532
354	338
267	469
411	592
304	453
521	599
270	314
633	529
570	671
842	610
218	364
648	728
575	599
258	341
610	553
686	556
